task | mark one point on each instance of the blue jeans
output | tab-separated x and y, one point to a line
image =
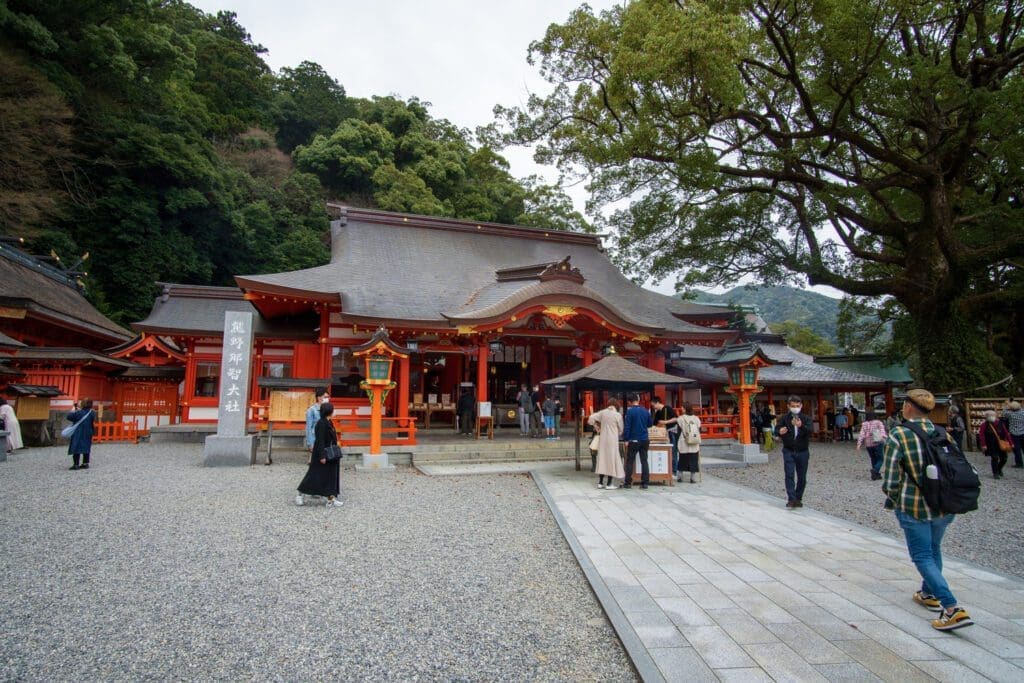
924	541
875	453
795	463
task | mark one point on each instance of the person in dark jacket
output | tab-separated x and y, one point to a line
636	423
80	445
794	429
989	434
466	407
322	477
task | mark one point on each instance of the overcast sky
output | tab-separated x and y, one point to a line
462	56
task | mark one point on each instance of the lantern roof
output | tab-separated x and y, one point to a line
379	342
748	353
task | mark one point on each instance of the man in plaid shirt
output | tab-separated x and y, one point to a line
903	466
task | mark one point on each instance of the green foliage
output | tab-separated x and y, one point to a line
307	102
814	311
872	146
803	339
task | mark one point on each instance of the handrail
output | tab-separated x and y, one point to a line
354	430
115	431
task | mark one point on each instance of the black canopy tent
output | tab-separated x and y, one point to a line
612	373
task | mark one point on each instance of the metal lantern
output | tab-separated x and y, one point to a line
378	369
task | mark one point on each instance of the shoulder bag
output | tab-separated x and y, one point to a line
332	452
1004	445
68	431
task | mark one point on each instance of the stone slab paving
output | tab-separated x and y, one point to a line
715	581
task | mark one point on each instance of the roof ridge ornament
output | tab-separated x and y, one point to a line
562	270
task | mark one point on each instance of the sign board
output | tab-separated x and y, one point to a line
33	408
235	366
485	409
659	457
290	406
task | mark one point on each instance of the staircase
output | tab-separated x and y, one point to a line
484	451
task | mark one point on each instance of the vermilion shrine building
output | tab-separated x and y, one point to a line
486	307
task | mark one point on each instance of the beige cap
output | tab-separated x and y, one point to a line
921	398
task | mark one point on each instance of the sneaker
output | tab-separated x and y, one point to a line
927	600
798	503
74	467
950	621
643	486
692	480
791	503
335	503
679	479
627	486
611	487
84	466
600	486
299	500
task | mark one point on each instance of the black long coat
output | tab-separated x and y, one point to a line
322	479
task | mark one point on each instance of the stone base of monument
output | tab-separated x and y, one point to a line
375	463
229	451
750	453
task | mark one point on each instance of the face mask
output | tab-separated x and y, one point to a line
795	411
325	399
991	418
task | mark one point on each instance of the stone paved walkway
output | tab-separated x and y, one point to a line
714	581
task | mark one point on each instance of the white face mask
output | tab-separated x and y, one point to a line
325	399
795	411
991	418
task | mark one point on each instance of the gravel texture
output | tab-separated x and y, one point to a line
839	483
148	566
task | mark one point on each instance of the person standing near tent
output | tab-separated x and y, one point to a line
608	425
637	422
11	426
689	444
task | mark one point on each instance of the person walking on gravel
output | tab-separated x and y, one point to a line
794	430
80	444
1014	417
902	468
323	476
872	436
992	435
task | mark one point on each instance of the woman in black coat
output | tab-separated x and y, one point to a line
322	478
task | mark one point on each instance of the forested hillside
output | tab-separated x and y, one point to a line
814	311
155	137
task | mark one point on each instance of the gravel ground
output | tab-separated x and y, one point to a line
839	483
147	566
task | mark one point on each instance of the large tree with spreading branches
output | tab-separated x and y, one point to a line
873	146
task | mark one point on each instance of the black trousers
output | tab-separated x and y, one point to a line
466	421
998	459
634	449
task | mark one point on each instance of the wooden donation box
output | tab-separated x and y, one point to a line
659	456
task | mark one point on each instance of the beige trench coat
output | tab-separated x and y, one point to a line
609	463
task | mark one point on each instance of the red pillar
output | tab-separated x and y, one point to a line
890	403
656	362
743	396
481	372
714	400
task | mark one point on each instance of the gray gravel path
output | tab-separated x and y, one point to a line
839	484
148	566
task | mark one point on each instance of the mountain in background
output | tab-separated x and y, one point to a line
814	311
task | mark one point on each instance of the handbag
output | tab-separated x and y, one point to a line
332	453
1004	445
68	431
595	443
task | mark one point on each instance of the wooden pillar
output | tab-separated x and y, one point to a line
714	400
588	357
324	341
820	409
190	378
403	386
867	401
890	402
481	372
656	362
743	396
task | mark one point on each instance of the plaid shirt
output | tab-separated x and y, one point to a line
1015	421
903	465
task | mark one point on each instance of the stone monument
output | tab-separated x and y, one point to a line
231	445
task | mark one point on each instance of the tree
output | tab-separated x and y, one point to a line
803	339
308	101
872	146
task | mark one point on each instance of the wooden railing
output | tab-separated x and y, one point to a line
355	430
115	431
714	426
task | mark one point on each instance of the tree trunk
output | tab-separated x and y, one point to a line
952	354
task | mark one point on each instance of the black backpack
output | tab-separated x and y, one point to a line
957	487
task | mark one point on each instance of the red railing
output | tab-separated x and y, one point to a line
115	431
714	426
355	430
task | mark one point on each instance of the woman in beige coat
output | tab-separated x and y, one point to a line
608	425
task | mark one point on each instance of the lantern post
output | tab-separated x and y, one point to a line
379	355
743	363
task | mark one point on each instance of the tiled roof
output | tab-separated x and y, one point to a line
26	283
194	310
398	267
791	367
615	371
